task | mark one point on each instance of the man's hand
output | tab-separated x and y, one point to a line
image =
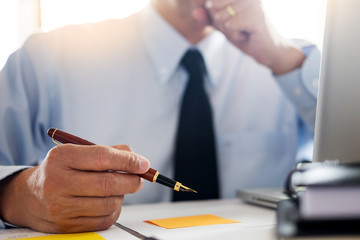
246	25
75	189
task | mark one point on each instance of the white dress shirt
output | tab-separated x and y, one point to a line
119	82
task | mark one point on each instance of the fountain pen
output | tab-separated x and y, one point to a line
151	175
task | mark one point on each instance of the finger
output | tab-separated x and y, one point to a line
215	5
244	23
201	15
73	207
98	158
221	16
102	184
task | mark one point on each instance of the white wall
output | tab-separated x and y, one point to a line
18	18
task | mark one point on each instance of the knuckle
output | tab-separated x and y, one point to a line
54	153
129	161
107	222
127	148
113	204
137	185
109	184
102	155
110	204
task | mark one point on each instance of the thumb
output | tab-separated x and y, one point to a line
123	147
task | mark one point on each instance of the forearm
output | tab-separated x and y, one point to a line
301	87
286	59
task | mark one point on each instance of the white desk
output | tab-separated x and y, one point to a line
257	223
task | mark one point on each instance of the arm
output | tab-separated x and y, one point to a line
301	87
248	28
72	190
68	190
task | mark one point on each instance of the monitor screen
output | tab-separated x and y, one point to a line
337	129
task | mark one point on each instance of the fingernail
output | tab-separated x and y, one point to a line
143	164
208	4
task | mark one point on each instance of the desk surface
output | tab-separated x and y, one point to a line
256	222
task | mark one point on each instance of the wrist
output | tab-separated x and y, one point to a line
11	192
286	59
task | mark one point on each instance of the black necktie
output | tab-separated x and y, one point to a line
195	153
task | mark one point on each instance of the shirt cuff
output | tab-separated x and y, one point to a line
301	86
6	171
2	225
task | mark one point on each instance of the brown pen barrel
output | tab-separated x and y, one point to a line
65	137
149	175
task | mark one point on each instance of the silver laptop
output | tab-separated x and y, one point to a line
337	128
266	197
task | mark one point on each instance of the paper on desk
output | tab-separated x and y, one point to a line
73	236
190	221
113	233
29	234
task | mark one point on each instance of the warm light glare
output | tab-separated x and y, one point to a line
9	39
58	13
302	19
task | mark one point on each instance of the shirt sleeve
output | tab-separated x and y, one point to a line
22	115
301	86
24	108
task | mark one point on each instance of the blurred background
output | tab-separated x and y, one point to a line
302	19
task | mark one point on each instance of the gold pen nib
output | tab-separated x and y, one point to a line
186	189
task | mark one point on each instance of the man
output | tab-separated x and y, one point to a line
120	81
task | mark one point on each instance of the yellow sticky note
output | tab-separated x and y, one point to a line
190	221
72	236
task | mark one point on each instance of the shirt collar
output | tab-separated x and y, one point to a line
166	46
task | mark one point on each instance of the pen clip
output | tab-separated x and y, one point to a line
52	137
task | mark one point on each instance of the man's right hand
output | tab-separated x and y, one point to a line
75	189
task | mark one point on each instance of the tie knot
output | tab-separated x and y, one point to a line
193	62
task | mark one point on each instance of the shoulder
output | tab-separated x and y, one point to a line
84	37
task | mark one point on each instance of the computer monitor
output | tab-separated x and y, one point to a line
337	128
